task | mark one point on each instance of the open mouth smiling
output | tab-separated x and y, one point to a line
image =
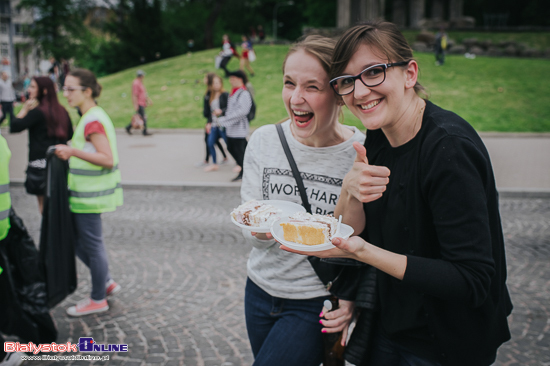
370	105
302	118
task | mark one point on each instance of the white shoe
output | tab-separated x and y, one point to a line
13	359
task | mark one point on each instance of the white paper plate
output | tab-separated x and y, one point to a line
278	234
288	208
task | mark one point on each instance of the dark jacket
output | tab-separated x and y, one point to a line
39	140
23	298
207	113
57	235
441	210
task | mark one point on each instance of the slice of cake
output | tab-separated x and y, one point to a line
308	229
255	213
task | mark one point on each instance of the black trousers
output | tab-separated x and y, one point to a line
237	147
7	109
2	353
223	64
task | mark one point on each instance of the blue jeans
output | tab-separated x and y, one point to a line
385	352
91	250
283	331
215	134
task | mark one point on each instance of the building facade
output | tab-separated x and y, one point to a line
404	13
18	54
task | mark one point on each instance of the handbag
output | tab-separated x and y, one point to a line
251	56
35	183
137	121
218	61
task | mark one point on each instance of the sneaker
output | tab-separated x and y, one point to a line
13	359
145	133
238	178
128	129
88	306
201	164
112	287
224	161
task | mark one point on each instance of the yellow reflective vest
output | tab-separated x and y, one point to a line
5	199
92	188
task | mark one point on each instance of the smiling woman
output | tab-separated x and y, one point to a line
323	151
432	230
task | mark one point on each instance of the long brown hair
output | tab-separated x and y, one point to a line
57	118
209	84
385	37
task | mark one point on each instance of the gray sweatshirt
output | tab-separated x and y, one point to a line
267	176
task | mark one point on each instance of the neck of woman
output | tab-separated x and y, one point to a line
86	105
408	124
332	135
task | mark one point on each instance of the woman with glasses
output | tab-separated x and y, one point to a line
94	184
48	124
422	199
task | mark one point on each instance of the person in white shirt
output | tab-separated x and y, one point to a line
7	96
284	294
235	119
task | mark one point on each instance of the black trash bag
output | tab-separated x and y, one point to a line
57	236
23	297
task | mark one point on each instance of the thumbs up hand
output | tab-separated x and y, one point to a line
365	182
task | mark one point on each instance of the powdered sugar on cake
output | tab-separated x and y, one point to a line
254	213
308	229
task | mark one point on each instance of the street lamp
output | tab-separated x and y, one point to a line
275	25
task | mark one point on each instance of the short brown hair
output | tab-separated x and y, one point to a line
384	36
87	80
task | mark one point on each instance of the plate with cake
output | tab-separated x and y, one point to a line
309	233
257	216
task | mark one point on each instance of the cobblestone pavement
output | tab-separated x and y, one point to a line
182	265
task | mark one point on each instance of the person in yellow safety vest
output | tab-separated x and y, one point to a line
94	184
5	199
13	358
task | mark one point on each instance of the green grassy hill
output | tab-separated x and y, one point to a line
493	94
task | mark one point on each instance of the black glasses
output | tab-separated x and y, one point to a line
371	76
71	89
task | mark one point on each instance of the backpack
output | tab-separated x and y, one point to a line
252	114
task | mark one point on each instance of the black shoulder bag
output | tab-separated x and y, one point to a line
342	277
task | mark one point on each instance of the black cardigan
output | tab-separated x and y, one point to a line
441	210
207	113
39	140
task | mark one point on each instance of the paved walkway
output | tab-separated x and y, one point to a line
182	266
521	161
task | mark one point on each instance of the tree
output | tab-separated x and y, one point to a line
59	25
